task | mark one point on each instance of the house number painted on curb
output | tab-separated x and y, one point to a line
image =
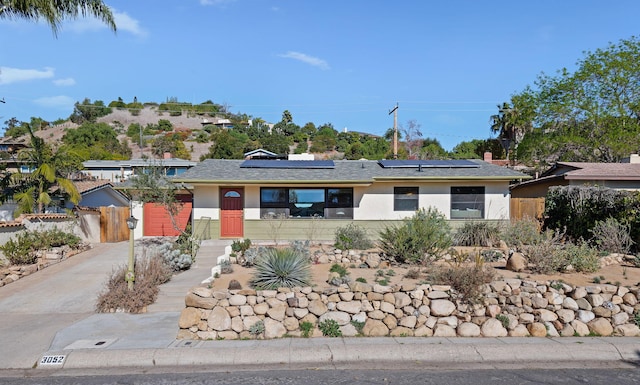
52	360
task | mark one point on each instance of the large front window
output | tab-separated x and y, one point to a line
306	202
467	202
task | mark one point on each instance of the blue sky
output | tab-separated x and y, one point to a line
447	64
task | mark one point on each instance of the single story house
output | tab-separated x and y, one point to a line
121	170
620	176
99	193
299	199
528	197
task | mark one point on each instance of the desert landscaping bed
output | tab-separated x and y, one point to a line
513	304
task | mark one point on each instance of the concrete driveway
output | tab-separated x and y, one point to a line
36	307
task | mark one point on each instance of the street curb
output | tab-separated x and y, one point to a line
431	351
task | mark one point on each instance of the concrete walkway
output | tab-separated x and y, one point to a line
51	314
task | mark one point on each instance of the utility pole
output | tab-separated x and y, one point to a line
395	130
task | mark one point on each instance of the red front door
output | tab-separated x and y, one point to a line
231	213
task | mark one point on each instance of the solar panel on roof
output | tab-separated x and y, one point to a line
401	163
298	164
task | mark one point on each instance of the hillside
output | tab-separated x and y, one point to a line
121	119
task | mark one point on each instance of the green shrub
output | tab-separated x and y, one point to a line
361	279
23	248
359	325
422	238
240	246
504	320
578	208
522	232
257	328
149	272
352	237
477	234
281	268
18	251
306	328
343	275
552	254
582	258
611	236
337	268
330	328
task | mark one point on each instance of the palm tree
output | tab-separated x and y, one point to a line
513	121
36	188
54	12
504	123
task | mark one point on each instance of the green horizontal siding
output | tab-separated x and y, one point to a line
301	229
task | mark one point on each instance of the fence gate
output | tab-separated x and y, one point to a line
113	224
527	207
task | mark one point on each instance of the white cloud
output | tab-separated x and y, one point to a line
314	61
123	21
64	82
60	101
10	75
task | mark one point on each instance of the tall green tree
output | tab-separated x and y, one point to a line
35	190
88	111
95	141
591	114
432	149
54	12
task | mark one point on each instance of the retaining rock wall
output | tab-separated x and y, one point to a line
511	307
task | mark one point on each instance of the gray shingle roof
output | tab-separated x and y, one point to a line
345	171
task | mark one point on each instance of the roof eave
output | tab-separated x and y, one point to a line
601	177
274	181
448	178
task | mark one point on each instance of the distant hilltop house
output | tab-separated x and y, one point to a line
243	198
121	170
218	122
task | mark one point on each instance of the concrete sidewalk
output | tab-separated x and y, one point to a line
35	326
363	353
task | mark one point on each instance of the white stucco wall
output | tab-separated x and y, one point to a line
252	202
374	202
137	211
206	202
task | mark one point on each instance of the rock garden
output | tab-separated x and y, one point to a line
424	279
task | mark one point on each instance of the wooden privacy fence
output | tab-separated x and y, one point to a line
527	207
113	224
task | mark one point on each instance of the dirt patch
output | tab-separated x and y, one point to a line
618	274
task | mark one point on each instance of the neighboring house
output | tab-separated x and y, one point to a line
13	145
121	170
9	148
99	193
528	197
298	199
261	154
218	122
620	176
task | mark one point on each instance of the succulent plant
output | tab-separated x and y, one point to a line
281	268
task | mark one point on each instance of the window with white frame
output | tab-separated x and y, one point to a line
467	202
292	202
405	198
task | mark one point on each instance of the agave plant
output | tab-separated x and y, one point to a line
281	268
